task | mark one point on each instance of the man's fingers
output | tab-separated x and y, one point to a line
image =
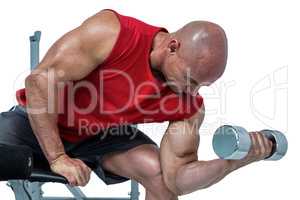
262	145
80	175
71	179
258	149
254	143
83	172
256	146
69	175
268	145
74	170
88	172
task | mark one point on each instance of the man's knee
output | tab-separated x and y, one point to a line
150	166
152	179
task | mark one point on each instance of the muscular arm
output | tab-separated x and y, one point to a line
70	58
182	171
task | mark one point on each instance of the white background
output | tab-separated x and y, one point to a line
261	78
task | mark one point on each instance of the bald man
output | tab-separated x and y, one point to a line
122	71
189	58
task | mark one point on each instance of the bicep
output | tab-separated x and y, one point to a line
182	137
198	118
193	123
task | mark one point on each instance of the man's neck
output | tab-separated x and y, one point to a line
156	56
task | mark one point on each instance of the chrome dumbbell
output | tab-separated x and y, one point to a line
233	143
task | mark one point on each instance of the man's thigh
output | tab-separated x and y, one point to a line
142	164
137	163
114	148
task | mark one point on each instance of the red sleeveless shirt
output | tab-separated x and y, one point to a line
121	90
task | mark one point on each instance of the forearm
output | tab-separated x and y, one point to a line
183	172
43	122
209	172
229	166
201	174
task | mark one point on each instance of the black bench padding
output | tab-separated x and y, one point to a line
16	162
41	175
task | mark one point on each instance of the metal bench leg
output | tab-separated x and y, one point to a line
134	194
19	189
25	190
35	49
76	191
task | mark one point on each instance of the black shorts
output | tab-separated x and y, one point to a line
15	129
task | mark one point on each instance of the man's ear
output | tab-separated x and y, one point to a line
173	45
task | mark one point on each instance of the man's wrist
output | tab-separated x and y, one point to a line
53	158
234	165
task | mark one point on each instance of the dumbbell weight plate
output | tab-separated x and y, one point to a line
280	144
231	142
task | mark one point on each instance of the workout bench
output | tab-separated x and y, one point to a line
30	189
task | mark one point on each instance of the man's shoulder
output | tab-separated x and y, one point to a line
101	30
103	22
105	17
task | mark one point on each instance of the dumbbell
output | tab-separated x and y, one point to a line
234	143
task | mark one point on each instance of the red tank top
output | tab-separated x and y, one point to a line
121	90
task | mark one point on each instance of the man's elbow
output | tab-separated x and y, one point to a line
37	97
41	80
37	88
34	80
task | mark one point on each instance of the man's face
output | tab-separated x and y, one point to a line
180	77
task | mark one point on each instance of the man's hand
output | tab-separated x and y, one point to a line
260	149
74	170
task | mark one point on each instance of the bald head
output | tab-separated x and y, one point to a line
194	55
203	46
